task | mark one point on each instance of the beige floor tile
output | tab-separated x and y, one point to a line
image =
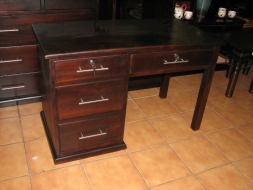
234	114
32	127
13	161
247	130
175	86
114	174
247	104
240	93
184	101
211	121
133	113
140	135
174	127
227	177
246	166
220	78
159	165
155	106
61	179
199	154
143	93
190	81
22	183
32	108
7	112
188	183
10	131
39	157
232	143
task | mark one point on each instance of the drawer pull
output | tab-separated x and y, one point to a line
10	87
94	68
93	101
10	61
11	30
177	60
95	135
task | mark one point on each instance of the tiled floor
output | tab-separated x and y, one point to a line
163	152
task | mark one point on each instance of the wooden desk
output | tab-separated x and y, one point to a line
86	67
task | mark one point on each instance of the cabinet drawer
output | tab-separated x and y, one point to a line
91	98
19	85
161	62
16	29
83	68
73	4
90	134
18	59
17	5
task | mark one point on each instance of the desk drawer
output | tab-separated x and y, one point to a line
18	59
162	62
90	134
83	68
91	98
19	85
17	5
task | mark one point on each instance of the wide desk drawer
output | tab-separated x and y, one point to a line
77	69
18	59
90	134
91	98
162	62
19	85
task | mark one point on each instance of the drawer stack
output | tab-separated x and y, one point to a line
19	68
84	104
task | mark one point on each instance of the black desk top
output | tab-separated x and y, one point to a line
83	36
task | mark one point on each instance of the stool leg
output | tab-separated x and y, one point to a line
251	87
230	68
247	68
233	79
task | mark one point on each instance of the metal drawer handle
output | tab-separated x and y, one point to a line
11	30
10	61
93	101
94	68
10	87
177	60
95	135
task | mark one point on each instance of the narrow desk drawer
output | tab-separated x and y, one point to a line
77	69
90	134
91	98
162	62
17	5
19	85
18	59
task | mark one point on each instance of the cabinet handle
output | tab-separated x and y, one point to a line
92	70
10	30
93	101
95	135
9	61
10	87
177	60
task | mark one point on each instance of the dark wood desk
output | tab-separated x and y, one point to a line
86	67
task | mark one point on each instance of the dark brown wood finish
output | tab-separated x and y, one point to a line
18	47
86	66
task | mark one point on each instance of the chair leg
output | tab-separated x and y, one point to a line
247	68
251	87
230	68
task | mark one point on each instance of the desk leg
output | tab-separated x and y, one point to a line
233	79
251	87
164	86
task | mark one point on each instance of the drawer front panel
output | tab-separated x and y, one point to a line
90	68
19	85
91	98
90	134
17	5
15	29
73	4
18	59
161	62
